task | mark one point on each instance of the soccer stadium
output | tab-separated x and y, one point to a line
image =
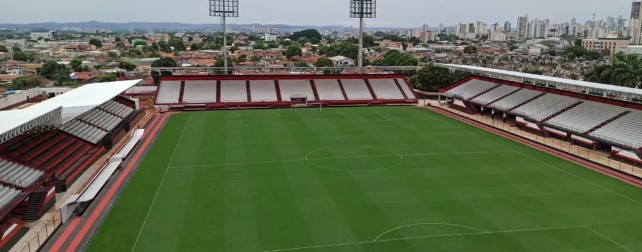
497	161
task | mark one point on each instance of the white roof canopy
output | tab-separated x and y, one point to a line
60	109
625	93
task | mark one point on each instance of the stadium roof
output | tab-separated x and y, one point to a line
554	82
60	109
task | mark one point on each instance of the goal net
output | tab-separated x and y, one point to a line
299	100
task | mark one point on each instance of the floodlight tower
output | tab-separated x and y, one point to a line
224	9
362	9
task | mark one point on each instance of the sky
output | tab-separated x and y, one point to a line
390	13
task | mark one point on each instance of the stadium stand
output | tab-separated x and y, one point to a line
169	92
625	130
117	109
85	131
296	87
200	92
386	89
275	91
18	174
545	107
470	89
263	91
356	89
516	99
329	90
233	91
585	116
7	194
494	95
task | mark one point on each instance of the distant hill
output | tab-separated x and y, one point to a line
169	26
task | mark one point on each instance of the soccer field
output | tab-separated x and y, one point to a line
361	179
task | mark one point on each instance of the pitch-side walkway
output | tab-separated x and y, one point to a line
73	235
40	230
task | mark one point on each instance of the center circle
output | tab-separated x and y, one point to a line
353	158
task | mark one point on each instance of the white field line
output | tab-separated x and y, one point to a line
149	210
345	157
430	224
383	116
607	238
313	123
425	237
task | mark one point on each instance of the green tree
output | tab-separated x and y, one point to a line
162	62
432	78
22	83
96	42
397	58
140	43
242	58
625	70
533	71
76	64
309	34
293	50
106	77
301	64
177	44
126	65
3	49
324	62
470	50
255	58
112	55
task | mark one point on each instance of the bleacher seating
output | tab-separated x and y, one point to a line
295	87
263	91
626	130
7	194
356	89
329	90
494	94
18	174
233	91
199	92
585	116
168	92
406	88
84	131
117	109
470	89
386	89
515	99
101	119
544	106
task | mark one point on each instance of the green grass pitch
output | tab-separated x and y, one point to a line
361	179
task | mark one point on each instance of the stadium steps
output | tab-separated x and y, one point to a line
247	90
31	144
218	91
343	90
33	211
405	96
16	141
480	94
72	173
607	122
502	97
561	111
181	94
51	163
53	151
29	156
526	102
278	90
372	92
314	90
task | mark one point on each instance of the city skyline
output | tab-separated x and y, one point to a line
399	13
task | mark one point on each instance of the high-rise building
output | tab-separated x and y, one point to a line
635	10
507	26
522	27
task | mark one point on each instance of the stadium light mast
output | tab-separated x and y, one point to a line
362	9
224	9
